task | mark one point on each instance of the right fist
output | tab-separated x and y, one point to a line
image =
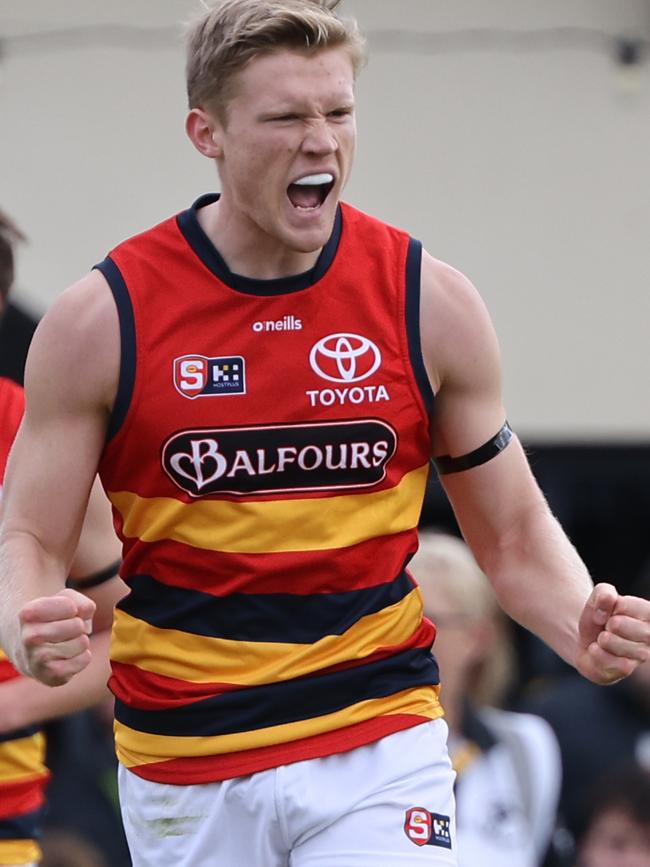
54	634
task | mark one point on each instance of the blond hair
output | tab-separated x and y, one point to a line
229	35
444	561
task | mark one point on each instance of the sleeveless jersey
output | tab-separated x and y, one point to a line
23	774
267	460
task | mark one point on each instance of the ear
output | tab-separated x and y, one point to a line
204	131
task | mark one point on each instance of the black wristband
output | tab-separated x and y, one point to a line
446	464
96	578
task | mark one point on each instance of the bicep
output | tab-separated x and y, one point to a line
54	457
462	357
494	499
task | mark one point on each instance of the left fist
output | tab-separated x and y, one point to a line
614	635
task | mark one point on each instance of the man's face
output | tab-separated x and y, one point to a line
287	144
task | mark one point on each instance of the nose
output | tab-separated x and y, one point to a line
319	139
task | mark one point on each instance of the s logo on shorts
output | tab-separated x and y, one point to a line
427	829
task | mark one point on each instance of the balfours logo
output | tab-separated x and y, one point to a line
280	458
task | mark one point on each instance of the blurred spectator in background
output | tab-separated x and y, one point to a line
67	849
82	795
508	764
16	326
598	728
24	702
617	832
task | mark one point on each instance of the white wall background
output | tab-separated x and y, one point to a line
523	159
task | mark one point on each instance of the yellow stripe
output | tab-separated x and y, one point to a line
277	525
3	655
198	659
19	852
138	748
22	758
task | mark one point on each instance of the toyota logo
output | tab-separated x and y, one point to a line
344	358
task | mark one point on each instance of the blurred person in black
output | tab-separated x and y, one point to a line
16	326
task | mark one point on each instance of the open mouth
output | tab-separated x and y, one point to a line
310	192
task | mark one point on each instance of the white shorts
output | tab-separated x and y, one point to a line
387	804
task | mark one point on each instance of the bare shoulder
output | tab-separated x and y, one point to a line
75	352
456	329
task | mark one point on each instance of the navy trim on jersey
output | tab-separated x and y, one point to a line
25	827
413	284
127	337
272	617
19	734
303	698
192	230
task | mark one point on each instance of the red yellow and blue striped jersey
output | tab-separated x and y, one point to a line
23	774
267	459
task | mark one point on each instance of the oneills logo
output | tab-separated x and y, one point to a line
264	459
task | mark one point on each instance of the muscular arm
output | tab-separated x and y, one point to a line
70	381
537	574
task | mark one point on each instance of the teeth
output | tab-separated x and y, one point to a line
315	180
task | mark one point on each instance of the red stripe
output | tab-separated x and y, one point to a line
209	769
146	690
373	562
7	671
17	799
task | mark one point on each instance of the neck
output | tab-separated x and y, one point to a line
247	250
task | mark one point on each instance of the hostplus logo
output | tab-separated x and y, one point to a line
345	360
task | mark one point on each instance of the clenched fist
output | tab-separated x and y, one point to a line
54	634
614	635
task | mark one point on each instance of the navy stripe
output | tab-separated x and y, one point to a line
127	336
193	232
303	698
413	284
17	734
282	617
25	827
